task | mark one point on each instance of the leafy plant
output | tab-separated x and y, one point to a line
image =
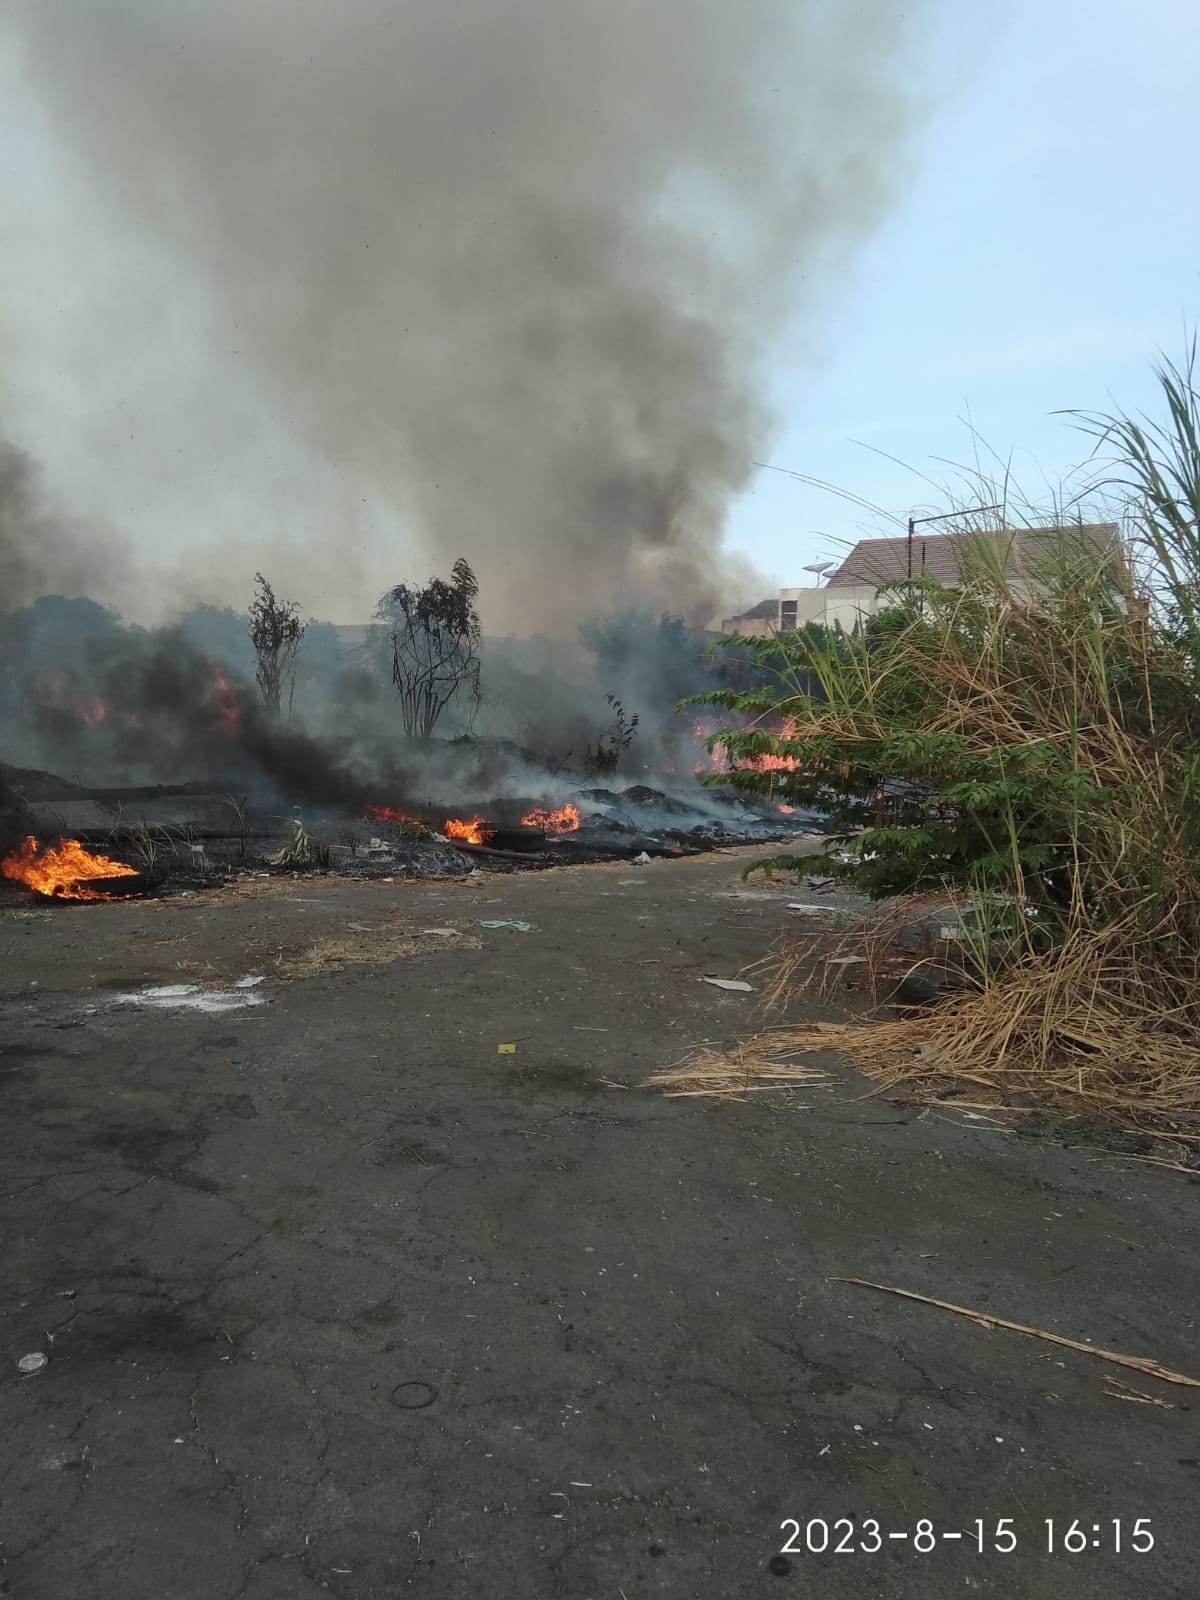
241	822
615	740
300	849
965	737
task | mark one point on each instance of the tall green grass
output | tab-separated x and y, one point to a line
1047	721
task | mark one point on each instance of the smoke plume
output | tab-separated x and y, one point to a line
374	285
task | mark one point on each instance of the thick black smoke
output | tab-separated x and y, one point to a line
380	284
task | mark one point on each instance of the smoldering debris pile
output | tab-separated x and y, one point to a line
179	768
191	835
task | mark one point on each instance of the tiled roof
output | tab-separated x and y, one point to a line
764	608
879	561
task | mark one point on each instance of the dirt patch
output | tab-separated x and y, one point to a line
370	947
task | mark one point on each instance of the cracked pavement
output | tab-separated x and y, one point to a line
338	1300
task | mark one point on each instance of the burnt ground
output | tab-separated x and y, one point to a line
339	1300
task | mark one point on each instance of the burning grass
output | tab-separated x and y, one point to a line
563	820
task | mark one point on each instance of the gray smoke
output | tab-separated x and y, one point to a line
34	541
378	284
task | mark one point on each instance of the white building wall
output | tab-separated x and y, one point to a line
844	605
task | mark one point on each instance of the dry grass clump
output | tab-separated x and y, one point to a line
369	947
1081	1027
731	1074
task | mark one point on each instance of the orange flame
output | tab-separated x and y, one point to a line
470	832
227	704
62	869
717	760
564	820
57	697
387	814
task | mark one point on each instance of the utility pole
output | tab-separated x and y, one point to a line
945	516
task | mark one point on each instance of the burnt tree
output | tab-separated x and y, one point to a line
275	632
435	635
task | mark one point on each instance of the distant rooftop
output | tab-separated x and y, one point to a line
879	561
352	636
764	609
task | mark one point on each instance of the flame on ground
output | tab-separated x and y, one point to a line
387	814
62	869
564	820
470	831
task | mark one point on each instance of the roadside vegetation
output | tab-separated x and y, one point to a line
1039	735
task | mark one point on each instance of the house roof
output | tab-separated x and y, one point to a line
764	609
879	561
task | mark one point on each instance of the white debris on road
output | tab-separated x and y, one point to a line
191	997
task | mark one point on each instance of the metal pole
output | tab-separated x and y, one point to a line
911	530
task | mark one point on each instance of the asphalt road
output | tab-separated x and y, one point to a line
337	1299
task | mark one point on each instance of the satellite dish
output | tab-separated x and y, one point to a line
821	567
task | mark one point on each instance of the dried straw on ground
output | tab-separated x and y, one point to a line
371	947
985	1319
1081	1028
732	1074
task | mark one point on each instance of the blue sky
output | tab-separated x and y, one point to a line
1046	247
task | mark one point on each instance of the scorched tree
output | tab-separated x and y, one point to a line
275	632
435	635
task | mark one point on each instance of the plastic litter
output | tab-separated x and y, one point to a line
506	1049
506	922
643	860
32	1363
249	983
730	983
